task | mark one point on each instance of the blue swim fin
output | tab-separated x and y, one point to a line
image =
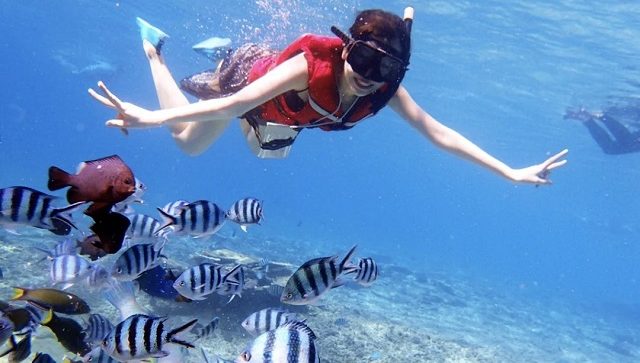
151	34
214	48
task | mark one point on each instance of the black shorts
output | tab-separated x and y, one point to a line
230	77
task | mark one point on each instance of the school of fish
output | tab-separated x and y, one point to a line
106	191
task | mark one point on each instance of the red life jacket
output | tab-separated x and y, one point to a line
323	55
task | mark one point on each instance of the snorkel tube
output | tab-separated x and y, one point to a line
408	23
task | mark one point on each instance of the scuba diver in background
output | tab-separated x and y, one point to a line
607	129
332	83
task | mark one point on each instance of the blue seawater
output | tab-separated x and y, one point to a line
502	73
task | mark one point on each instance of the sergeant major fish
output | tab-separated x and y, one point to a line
136	260
142	336
245	211
266	319
316	277
30	207
293	342
97	328
234	284
68	269
144	227
204	279
366	271
207	330
175	208
65	247
200	218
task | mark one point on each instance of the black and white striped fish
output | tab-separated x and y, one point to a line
262	268
144	227
67	246
245	211
142	336
316	277
26	206
366	272
69	269
275	290
98	327
293	342
207	330
266	319
204	279
234	283
98	278
200	218
136	260
175	208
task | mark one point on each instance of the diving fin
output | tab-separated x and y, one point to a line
214	48
151	34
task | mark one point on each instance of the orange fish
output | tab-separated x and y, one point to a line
104	182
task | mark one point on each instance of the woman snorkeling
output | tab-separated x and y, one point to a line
328	82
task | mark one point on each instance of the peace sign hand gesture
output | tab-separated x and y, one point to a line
129	115
539	174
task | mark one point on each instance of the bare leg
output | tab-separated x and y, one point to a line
193	138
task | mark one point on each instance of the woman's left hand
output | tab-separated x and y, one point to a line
539	173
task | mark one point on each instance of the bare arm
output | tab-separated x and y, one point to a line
450	140
291	74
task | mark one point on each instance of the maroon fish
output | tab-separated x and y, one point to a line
104	182
88	247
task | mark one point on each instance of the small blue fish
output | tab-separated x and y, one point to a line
158	282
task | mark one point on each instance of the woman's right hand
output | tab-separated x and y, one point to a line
129	115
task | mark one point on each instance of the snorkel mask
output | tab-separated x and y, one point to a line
373	62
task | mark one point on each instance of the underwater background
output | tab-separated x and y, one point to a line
502	73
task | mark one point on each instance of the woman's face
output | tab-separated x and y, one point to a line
358	84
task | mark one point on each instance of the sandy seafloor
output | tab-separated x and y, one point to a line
403	317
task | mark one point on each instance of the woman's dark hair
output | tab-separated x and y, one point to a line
384	28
